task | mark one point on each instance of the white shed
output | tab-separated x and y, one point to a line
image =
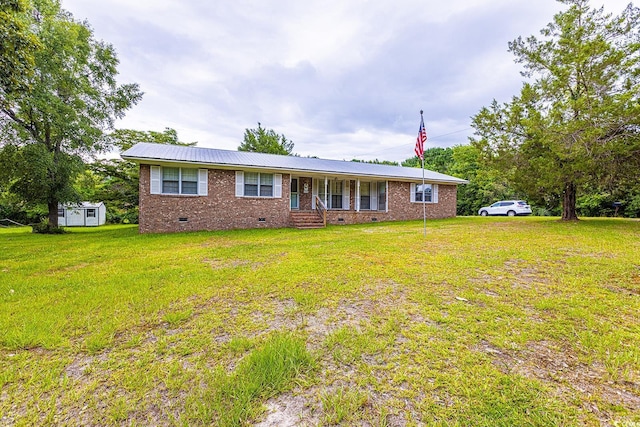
83	214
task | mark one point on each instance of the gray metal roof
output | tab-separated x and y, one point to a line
149	153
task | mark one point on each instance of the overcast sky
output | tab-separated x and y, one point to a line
342	79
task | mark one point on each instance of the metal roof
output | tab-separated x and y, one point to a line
81	205
149	153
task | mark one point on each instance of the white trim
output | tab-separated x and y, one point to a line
277	186
239	183
155	178
315	183
373	197
203	184
346	194
326	192
358	195
434	193
386	197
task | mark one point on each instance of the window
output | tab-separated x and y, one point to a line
365	195
61	212
423	192
258	184
266	185
171	180
336	195
251	184
91	213
179	181
189	181
372	196
175	180
427	193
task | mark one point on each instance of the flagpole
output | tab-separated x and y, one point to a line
424	203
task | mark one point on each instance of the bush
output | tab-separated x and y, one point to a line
44	227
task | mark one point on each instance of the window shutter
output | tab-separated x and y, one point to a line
239	183
346	194
203	185
374	196
434	190
413	192
277	185
156	181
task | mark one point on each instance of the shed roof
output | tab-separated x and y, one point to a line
149	153
82	205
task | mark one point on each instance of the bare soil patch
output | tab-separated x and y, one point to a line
560	369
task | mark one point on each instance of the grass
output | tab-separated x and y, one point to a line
485	321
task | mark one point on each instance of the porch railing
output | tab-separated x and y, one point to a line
321	209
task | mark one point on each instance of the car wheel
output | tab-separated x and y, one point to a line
484	213
511	213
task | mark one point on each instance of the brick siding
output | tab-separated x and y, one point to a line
222	210
400	207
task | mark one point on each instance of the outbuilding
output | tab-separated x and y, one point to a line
83	214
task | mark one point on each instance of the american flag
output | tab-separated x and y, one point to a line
422	138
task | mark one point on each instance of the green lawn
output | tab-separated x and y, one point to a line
485	322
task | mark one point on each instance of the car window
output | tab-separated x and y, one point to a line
495	205
506	203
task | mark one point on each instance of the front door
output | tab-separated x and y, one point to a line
295	200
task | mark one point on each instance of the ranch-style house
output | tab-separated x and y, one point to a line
193	188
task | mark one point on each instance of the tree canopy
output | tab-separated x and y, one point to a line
261	140
115	181
575	124
17	47
58	113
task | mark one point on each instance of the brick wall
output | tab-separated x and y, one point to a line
222	210
400	206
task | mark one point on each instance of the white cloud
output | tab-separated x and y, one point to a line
342	79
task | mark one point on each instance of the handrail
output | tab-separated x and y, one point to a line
322	210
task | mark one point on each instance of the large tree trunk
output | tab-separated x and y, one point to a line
569	202
53	214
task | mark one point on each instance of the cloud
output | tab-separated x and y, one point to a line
340	79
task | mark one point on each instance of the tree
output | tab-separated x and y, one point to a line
17	47
265	141
115	181
62	111
377	162
435	159
576	124
127	138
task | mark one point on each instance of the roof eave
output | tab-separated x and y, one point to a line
233	166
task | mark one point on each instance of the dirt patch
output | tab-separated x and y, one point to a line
288	411
561	369
218	264
525	274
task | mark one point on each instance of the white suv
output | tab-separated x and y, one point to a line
506	207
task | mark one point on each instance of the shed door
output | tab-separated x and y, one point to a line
75	217
91	216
